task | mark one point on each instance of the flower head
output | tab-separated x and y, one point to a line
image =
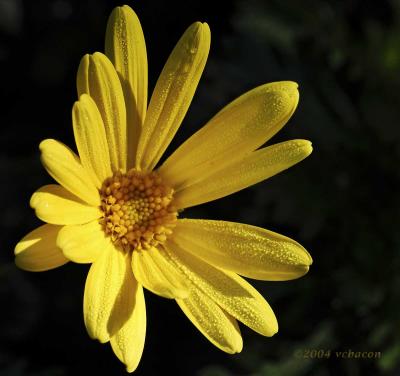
115	207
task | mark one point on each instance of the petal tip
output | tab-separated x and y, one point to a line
205	27
303	269
307	259
206	33
20	264
84	97
308	147
200	30
122	15
274	331
196	26
291	89
238	346
17	259
125	8
19	248
131	368
45	143
239	349
303	148
290	85
271	328
34	201
96	56
99	60
84	62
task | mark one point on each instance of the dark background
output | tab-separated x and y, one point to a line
342	203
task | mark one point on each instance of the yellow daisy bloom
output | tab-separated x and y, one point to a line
117	208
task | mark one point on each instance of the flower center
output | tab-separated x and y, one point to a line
137	210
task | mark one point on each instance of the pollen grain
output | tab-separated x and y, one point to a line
137	210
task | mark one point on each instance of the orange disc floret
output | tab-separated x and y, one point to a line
137	210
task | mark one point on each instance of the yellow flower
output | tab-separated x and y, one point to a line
116	209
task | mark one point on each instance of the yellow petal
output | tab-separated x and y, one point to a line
173	93
156	273
64	166
126	48
227	289
37	251
214	323
239	128
247	250
251	169
83	243
108	301
54	204
98	78
128	342
90	138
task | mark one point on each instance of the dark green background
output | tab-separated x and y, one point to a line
342	203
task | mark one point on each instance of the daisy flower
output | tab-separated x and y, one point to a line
116	207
